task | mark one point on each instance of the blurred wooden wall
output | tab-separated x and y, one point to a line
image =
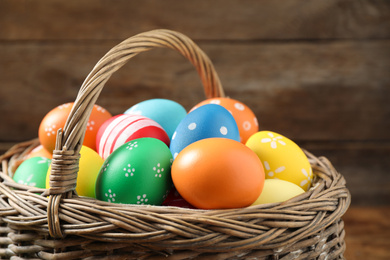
317	72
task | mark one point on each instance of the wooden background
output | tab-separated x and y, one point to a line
317	72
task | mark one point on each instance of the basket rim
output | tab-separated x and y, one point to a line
328	179
16	154
274	226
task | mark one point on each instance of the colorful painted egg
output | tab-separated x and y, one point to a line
56	119
245	118
176	200
39	151
102	129
165	112
124	128
218	173
32	172
282	158
138	172
276	190
205	122
89	167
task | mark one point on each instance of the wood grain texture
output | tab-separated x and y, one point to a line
365	166
367	233
306	91
201	19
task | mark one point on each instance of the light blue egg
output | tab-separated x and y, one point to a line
165	112
207	121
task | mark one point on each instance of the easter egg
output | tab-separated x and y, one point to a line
207	121
32	172
101	130
174	199
56	119
124	128
39	151
165	112
282	158
138	172
89	167
245	118
276	190
218	173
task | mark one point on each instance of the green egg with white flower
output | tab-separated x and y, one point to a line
137	172
32	172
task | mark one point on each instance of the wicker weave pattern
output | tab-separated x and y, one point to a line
65	226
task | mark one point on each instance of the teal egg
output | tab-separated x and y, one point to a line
165	112
138	172
32	172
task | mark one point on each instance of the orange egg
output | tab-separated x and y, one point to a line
218	173
56	119
39	151
245	118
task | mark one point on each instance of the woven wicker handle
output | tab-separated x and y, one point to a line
65	157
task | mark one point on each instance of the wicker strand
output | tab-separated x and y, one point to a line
211	241
54	221
64	169
168	226
117	57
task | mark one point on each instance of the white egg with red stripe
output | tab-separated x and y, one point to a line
122	128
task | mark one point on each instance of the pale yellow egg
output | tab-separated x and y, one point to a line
89	168
282	158
276	190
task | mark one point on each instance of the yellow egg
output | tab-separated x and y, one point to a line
89	167
281	158
276	190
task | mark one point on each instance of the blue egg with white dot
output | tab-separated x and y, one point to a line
165	112
207	121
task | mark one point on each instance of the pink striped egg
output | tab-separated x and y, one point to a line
122	128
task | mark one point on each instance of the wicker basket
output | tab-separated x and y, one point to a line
58	224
